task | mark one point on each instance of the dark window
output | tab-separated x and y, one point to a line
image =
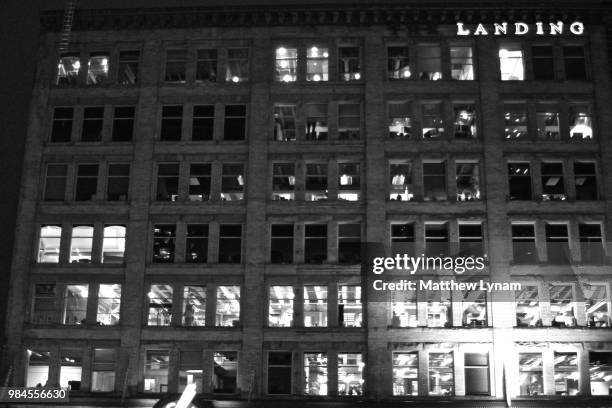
400	124
237	65
515	121
432	120
468	181
123	124
232	182
203	122
62	125
398	60
575	63
87	182
524	244
553	186
97	68
434	181
471	240
279	372
128	67
557	244
68	70
429	62
316	121
476	373
283	181
462	63
402	239
164	238
436	239
349	121
547	120
519	181
44	304
196	245
349	61
230	243
118	182
206	69
281	243
172	123
315	243
528	307
93	118
225	371
542	57
235	122
175	65
591	243
55	182
349	243
199	181
465	122
284	122
316	182
167	181
585	179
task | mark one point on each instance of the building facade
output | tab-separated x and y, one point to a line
198	183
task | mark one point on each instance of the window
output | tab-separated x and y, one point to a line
398	62
349	306
103	370
228	306
315	243
97	68
474	307
109	304
591	243
196	243
118	182
38	368
547	120
476	366
316	121
528	307
55	183
315	306
199	181
68	70
164	237
93	118
232	182
43	310
462	63
128	67
562	305
157	363
176	65
524	244
401	187
433	120
439	312
566	374
402	239
237	69
349	181
585	181
280	311
123	124
441	374
515	121
470	240
531	378
316	181
404	309
225	372
235	122
542	59
349	243
81	243
511	63
286	64
406	373
434	181
317	64
171	124
230	243
194	305
160	305
575	62
429	62
596	305
71	368
284	122
315	373
203	125
86	182
206	67
75	304
580	121
436	239
113	244
281	243
283	181
49	243
167	181
349	63
553	186
519	181
400	125
349	121
190	370
280	371
468	181
61	131
350	374
600	370
465	122
557	244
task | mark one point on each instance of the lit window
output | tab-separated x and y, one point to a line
557	244
97	69
471	240
439	313
349	181
591	243
167	181
75	304
43	310
434	181
400	183
316	121
441	374
406	374
315	243
286	64
468	181
349	243
109	304
68	70
433	120
113	244
283	181
176	65
528	307
203	125
155	376
190	370
398	62
511	63
123	124
596	304
237	65
49	243
164	238
515	121
225	372
232	182
81	243
542	59
93	119
349	306
349	121
600	370
317	64
128	67
103	370
566	374
524	244
196	243
400	124
519	181
206	67
350	374
553	185
284	122
281	243
547	120
462	63
194	305
315	373
71	369
315	306
404	309
171	123
349	62
429	62
465	122
531	378
235	122
280	371
402	239
38	368
160	305
562	305
199	181
230	243
580	121
585	181
118	182
436	239
61	131
474	307
476	368
316	181
228	306
575	63
55	182
280	311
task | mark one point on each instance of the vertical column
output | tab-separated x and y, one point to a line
332	373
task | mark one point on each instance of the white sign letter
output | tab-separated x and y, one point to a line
520	28
461	30
501	28
556	28
480	30
577	28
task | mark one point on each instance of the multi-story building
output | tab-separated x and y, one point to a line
198	182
